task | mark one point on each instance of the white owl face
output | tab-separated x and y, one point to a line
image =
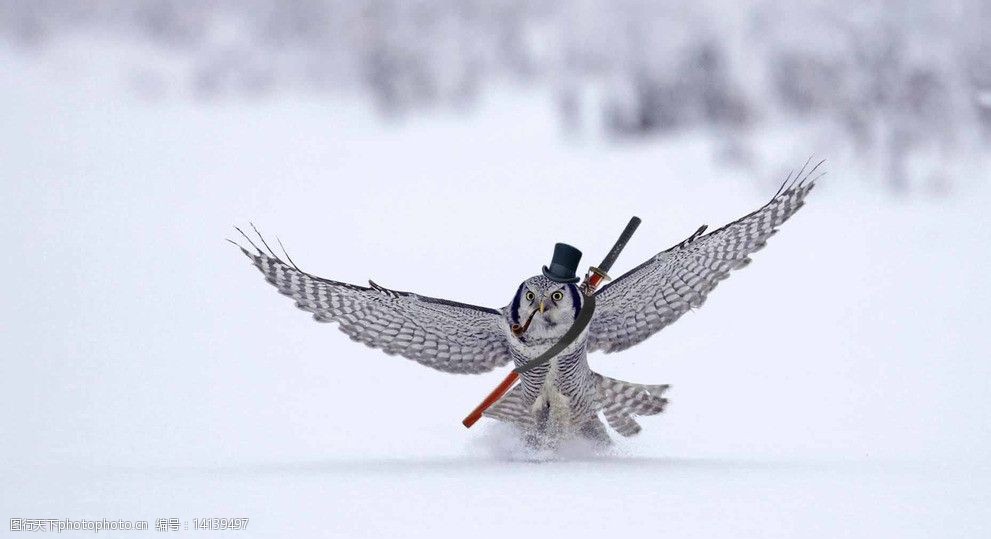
553	307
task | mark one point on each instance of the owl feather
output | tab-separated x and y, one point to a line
445	335
651	296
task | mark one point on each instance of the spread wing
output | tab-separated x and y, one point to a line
445	335
656	293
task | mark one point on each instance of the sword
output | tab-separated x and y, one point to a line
595	276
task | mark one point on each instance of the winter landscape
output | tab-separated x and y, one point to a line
838	386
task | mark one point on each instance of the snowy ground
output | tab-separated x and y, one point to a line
836	387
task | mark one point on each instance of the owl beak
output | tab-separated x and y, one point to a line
541	307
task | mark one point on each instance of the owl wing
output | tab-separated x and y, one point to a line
444	335
644	300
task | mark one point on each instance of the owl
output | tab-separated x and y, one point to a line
563	398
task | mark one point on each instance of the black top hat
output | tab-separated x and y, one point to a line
564	264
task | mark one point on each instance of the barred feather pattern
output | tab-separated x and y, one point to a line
641	302
444	335
512	408
621	401
571	378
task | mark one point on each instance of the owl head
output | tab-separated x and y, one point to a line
550	307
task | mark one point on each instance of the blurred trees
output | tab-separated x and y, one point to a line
903	82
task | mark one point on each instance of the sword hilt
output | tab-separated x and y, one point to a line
593	279
597	274
617	248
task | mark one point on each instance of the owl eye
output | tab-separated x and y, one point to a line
557	296
529	296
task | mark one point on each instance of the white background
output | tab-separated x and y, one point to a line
836	387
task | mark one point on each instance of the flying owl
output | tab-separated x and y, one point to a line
564	397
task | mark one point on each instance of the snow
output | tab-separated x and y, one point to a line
836	387
450	496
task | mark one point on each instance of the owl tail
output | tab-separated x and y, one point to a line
620	401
